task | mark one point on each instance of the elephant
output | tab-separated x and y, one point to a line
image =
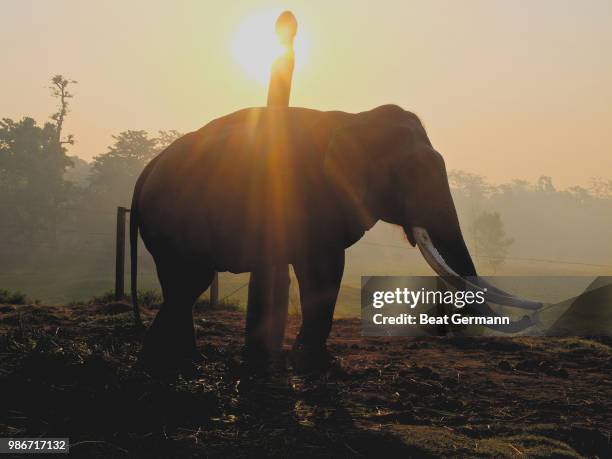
278	186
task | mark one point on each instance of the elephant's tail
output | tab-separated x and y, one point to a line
134	262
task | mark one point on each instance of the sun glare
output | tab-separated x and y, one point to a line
255	45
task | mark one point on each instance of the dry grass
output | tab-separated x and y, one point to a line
73	371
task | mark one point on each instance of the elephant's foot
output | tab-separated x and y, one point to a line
260	361
165	353
255	356
170	365
306	359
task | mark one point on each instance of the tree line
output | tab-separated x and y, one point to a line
52	203
535	220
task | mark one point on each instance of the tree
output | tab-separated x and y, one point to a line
32	188
601	188
580	194
33	162
114	173
165	138
516	187
59	89
471	185
78	174
545	184
490	239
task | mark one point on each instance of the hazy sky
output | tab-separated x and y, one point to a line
514	88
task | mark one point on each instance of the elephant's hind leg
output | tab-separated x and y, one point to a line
171	338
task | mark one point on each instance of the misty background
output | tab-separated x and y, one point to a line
58	218
505	89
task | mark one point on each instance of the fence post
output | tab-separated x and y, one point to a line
214	290
120	254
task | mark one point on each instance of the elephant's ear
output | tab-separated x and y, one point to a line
357	154
345	163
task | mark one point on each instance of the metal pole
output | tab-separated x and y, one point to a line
120	254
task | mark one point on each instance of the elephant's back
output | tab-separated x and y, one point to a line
242	187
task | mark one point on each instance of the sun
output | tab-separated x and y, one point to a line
254	45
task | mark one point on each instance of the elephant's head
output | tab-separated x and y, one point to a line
386	168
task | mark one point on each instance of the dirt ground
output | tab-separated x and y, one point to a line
72	372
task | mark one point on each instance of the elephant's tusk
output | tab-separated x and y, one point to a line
510	300
492	294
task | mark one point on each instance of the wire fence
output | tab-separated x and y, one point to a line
76	230
104	253
537	260
377	244
107	255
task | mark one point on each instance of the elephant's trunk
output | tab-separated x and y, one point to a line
437	233
468	279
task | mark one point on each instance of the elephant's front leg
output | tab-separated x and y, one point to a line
267	311
319	280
